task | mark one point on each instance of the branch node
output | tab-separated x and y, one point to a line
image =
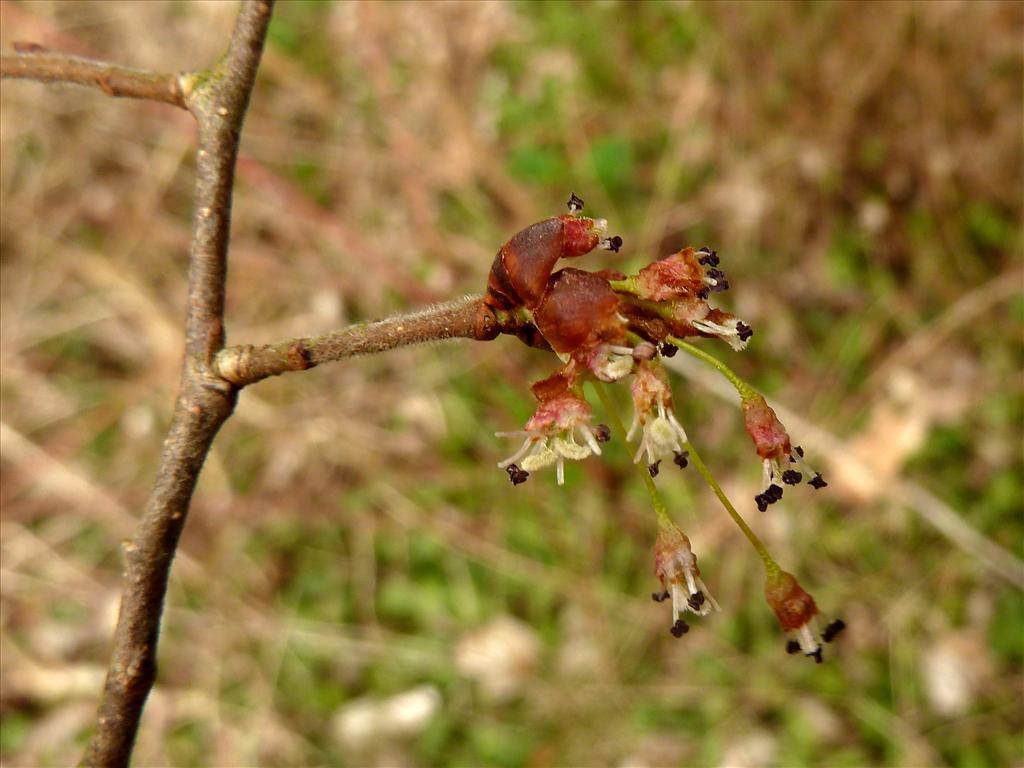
232	364
299	357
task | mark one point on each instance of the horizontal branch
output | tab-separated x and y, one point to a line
465	318
48	67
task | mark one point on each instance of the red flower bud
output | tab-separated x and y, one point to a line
519	274
579	308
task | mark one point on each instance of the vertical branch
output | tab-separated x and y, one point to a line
218	99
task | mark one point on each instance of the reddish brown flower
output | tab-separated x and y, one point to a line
661	434
683	274
795	609
781	463
675	565
551	434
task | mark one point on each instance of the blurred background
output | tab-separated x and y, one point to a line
358	584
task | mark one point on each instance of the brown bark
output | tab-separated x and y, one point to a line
466	318
48	67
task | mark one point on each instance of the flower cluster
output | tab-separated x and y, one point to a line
607	326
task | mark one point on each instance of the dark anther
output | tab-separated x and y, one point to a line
614	243
668	350
791	477
654	468
681	459
833	630
695	601
721	285
702	294
817	482
708	257
772	494
816	654
799	451
602	433
744	331
680	628
792	647
517	474
575	203
716	274
659	596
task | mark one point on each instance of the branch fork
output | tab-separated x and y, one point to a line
211	374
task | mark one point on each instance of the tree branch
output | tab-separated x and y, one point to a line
211	375
465	318
47	67
218	100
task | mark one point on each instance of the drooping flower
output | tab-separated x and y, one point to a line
675	565
551	434
796	611
662	436
780	462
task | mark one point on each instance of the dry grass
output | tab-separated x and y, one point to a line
858	166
